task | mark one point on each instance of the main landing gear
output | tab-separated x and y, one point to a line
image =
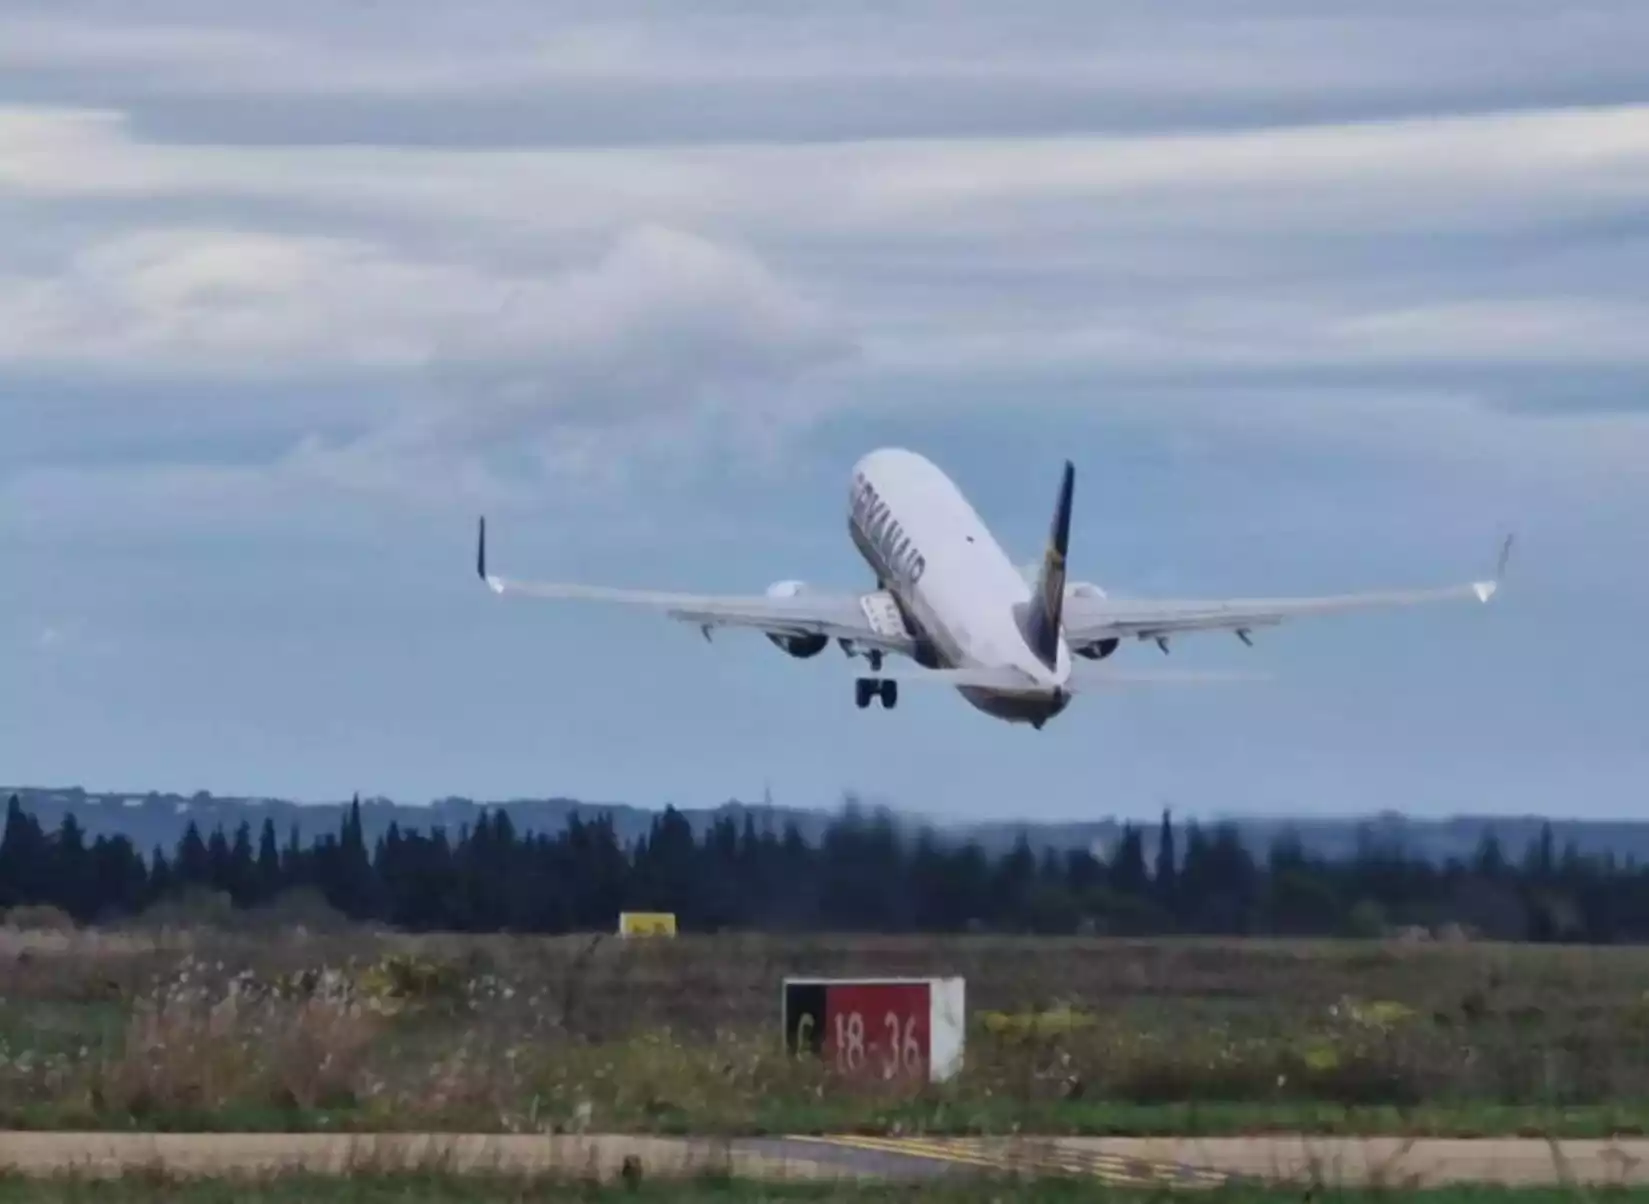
866	688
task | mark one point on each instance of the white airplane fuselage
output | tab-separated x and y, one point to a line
962	597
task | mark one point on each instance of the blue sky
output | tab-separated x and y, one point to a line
1317	296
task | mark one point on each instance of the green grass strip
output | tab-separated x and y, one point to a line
960	1117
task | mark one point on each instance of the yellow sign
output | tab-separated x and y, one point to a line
647	923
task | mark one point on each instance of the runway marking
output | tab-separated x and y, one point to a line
987	1154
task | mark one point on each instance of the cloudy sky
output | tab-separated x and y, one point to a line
1318	295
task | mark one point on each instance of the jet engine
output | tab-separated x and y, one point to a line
1098	650
799	646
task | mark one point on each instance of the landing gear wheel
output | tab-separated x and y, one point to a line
863	688
890	695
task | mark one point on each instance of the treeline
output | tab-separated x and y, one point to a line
864	875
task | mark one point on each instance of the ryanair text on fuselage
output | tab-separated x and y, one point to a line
883	532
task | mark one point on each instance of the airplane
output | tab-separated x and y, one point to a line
950	600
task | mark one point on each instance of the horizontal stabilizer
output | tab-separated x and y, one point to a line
983	677
1084	677
1096	677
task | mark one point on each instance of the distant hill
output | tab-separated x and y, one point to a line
151	819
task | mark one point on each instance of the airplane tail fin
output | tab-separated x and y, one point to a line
1047	604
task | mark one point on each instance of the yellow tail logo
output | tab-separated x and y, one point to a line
1053	582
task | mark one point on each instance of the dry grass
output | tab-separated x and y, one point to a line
530	1034
437	1188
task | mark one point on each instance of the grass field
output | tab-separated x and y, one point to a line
481	1189
364	1031
437	1189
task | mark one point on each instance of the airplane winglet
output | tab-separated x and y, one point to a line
1487	589
493	583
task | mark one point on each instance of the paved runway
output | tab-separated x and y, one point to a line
1188	1163
603	1156
909	1157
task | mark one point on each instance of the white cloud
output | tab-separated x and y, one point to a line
244	303
660	334
1508	331
81	45
251	304
1301	334
663	335
1170	212
1458	174
521	310
1262	51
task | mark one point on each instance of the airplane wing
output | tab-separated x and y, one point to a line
869	620
1090	619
